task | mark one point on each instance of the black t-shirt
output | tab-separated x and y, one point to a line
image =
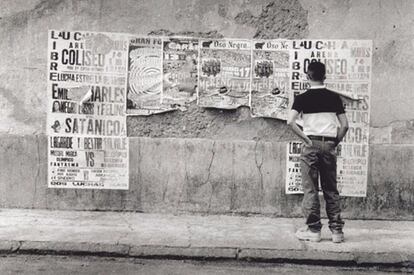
318	101
320	108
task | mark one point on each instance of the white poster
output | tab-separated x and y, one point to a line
87	146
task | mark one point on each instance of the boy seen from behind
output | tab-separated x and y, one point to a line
322	111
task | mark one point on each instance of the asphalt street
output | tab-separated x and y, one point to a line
49	264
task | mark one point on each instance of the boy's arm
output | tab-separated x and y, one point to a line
343	128
293	115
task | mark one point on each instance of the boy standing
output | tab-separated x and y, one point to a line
321	110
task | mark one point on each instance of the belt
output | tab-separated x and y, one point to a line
323	138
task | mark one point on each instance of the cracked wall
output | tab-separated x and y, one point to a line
207	180
204	176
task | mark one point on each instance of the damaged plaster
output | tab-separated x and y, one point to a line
24	28
25	54
277	19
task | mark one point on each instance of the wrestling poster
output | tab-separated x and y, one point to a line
180	71
224	73
271	79
87	143
293	171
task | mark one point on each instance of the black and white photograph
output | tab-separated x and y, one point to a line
206	137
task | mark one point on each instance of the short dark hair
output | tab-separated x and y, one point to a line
316	71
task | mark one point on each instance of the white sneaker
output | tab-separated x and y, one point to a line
338	237
305	234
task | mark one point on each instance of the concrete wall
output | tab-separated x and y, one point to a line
203	176
194	184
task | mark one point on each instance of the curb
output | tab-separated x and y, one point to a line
313	257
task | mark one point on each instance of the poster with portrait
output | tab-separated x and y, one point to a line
270	78
224	73
348	73
180	59
87	143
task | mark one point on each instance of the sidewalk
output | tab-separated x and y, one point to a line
195	236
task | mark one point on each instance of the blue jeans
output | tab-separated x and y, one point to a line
320	159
